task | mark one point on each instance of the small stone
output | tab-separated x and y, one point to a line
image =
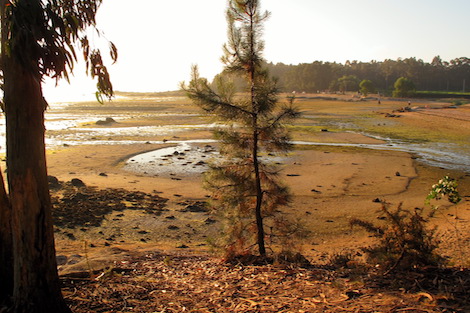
61	259
210	221
71	236
53	181
77	182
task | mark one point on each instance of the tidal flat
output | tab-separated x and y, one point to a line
348	152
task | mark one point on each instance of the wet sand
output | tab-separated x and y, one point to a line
330	185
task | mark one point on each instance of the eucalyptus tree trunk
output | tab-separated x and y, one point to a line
6	245
36	283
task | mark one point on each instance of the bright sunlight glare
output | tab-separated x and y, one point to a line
159	41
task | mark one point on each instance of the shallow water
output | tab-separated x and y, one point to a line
187	157
170	160
448	156
64	128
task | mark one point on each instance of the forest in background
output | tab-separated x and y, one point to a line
439	75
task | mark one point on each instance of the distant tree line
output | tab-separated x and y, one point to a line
439	75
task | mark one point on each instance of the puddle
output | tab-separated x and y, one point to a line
185	158
188	158
63	128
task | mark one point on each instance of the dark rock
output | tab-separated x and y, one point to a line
397	174
103	174
171	217
71	236
77	182
53	182
173	227
210	221
182	246
107	121
377	200
61	259
196	207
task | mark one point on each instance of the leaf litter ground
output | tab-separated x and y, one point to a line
185	282
189	283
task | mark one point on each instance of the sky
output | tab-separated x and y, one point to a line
158	41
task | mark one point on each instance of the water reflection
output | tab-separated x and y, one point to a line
64	127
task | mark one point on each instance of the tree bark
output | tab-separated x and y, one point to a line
6	240
36	282
259	197
255	109
6	245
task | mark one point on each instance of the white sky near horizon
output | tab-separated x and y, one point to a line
158	41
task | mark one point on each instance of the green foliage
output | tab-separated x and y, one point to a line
245	187
445	187
366	87
404	241
444	95
348	83
404	87
42	37
316	76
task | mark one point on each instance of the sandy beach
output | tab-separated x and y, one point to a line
330	185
